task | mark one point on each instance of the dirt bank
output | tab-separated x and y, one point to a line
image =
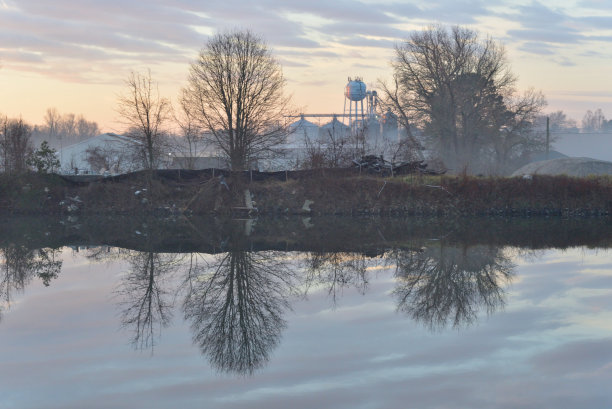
317	194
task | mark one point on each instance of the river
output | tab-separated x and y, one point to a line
302	313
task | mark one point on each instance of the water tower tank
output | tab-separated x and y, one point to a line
355	90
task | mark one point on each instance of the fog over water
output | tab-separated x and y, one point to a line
434	317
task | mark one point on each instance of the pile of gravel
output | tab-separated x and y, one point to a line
567	166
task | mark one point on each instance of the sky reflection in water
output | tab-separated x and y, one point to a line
511	329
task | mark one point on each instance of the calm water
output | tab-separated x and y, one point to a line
306	313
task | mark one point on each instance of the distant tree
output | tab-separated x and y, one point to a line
15	145
458	88
44	159
67	125
86	129
66	128
146	114
52	122
558	121
593	121
235	90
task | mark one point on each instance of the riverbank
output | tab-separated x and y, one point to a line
318	193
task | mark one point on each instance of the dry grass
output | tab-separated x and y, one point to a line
331	194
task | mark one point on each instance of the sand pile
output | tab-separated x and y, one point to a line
567	166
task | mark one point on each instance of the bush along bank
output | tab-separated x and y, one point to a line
316	194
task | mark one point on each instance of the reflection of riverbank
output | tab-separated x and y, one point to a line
367	235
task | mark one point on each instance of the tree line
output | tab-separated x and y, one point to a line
452	93
19	139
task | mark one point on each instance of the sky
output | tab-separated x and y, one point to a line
75	56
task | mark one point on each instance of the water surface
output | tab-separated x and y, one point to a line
317	313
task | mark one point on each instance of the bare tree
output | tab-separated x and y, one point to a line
145	113
15	144
455	86
398	114
67	126
61	130
330	150
52	122
593	121
86	129
558	122
235	90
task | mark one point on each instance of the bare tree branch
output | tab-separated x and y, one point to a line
235	90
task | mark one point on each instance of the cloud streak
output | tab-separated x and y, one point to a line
39	32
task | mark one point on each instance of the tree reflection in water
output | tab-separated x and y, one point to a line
336	271
236	304
446	285
21	264
146	300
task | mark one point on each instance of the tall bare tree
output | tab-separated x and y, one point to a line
235	90
456	86
145	113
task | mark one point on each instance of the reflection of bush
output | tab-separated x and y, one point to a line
445	285
21	264
235	306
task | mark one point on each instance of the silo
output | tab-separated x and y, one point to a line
333	129
302	131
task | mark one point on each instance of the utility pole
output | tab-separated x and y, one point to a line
547	136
